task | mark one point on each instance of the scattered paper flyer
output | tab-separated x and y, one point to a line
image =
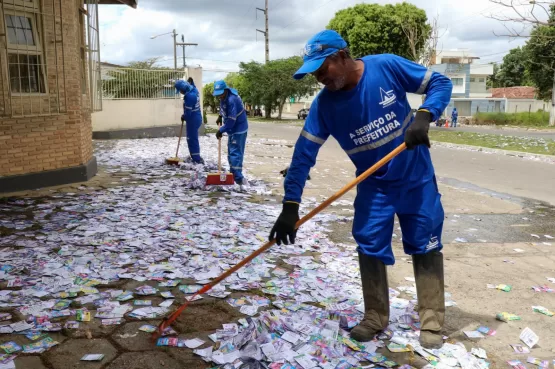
290	337
147	328
542	310
92	357
473	334
519	349
206	352
166	303
249	310
529	337
194	343
516	364
479	352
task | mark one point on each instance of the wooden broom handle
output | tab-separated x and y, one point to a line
220	156
179	141
169	320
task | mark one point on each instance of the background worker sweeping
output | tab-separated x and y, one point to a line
364	106
192	116
235	124
454	117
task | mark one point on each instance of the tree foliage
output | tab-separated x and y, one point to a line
513	71
272	84
541	56
236	81
138	80
492	81
376	29
209	100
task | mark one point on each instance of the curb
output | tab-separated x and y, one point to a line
524	155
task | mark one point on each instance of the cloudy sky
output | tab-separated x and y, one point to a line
226	29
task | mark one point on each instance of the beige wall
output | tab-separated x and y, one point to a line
196	74
522	105
132	114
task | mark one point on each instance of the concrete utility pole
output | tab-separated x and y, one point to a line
552	112
174	34
266	33
184	44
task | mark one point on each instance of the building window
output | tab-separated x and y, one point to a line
25	54
481	80
472	80
457	81
26	74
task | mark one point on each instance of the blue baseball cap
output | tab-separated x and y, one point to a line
219	87
317	49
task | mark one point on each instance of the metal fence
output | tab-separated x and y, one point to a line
139	84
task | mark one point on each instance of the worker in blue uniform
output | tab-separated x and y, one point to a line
454	117
192	116
235	124
364	107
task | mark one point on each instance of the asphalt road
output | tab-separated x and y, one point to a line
545	134
481	171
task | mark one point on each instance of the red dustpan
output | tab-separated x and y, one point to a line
220	178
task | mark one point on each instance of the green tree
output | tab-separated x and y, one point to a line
209	100
541	58
236	81
272	84
514	72
492	81
540	46
140	79
400	29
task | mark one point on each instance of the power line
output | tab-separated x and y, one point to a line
275	6
248	8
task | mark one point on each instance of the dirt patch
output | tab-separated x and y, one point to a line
341	232
92	329
145	360
69	354
131	339
205	316
29	362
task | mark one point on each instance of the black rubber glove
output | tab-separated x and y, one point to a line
182	120
284	229
219	120
219	134
417	133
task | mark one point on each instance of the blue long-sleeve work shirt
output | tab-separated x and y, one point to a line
233	114
369	121
191	106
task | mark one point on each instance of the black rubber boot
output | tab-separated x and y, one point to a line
430	289
375	290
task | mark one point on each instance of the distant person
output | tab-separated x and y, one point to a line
454	116
193	117
235	124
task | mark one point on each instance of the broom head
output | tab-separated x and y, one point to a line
220	179
172	161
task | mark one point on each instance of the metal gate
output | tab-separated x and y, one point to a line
93	53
